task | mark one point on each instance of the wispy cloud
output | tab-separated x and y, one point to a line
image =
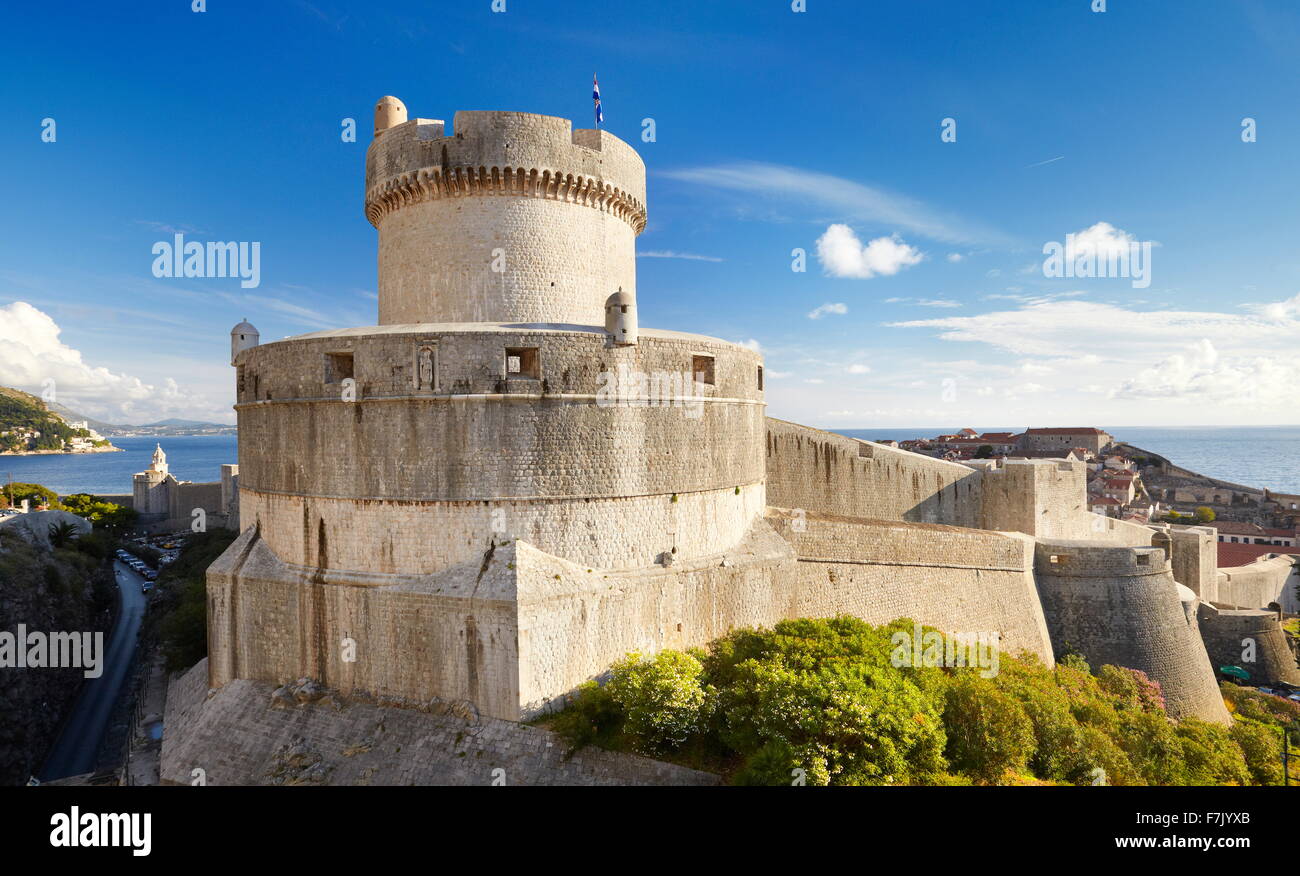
673	254
845	197
829	307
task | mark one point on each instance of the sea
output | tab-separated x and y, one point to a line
1257	456
189	458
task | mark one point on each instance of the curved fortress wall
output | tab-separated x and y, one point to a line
1120	605
1253	640
441	450
514	217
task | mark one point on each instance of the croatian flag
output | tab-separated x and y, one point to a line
595	95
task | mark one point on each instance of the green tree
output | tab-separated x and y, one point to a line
36	494
663	697
102	513
62	533
1204	515
984	451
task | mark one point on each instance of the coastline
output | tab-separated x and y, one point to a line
109	449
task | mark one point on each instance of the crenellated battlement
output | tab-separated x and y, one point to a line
504	153
510	217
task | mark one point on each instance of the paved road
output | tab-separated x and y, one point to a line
74	752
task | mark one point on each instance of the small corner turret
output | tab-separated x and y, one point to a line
242	336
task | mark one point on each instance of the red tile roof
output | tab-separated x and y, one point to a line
1071	430
1236	527
1240	554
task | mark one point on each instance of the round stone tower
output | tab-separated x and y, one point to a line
513	217
1121	605
452	487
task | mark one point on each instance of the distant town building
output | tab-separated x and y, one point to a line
1093	440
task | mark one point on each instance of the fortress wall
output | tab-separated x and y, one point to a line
414	478
575	624
412	537
454	638
1120	605
958	580
1194	558
486	259
561	208
511	632
1260	583
186	497
1251	639
826	473
549	437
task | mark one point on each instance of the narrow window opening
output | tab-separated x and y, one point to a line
522	362
338	367
702	369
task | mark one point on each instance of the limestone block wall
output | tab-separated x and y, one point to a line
1120	605
1259	584
416	537
1043	498
454	636
574	623
959	580
513	217
1193	555
827	473
439	450
1251	639
511	632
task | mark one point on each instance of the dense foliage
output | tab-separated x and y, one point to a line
102	513
20	412
824	702
181	603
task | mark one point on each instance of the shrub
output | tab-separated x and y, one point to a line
1210	755
988	730
1261	745
1131	688
590	717
662	697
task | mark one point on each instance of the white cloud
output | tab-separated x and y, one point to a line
673	254
955	257
1198	361
851	199
1100	241
858	368
821	310
924	302
1201	374
32	355
750	344
843	255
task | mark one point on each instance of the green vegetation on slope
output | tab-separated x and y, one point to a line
821	701
181	604
21	412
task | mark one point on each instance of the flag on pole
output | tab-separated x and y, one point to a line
595	95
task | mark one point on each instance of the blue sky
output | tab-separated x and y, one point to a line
924	301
